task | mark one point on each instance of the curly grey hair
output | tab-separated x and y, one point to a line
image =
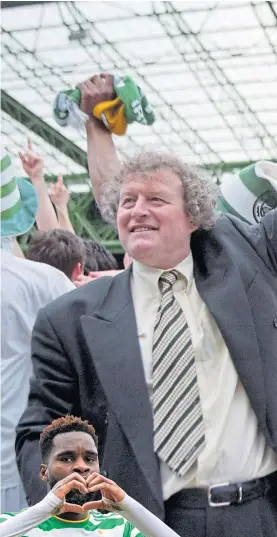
199	191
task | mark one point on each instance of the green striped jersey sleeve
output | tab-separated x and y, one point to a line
131	531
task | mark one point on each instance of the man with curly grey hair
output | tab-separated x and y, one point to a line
174	359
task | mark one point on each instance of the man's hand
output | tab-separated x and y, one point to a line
98	274
33	164
109	489
82	279
58	193
63	487
95	90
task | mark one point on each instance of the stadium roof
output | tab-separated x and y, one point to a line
208	68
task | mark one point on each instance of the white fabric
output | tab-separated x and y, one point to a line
13	496
139	516
29	518
8	174
26	286
235	449
6	244
267	170
10	200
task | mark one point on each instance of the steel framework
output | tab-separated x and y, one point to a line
209	69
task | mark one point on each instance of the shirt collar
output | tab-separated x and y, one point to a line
148	277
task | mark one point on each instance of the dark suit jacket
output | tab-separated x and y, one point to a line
87	359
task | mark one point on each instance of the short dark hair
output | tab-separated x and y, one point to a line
98	257
59	248
65	424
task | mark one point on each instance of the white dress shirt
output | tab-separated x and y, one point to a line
26	286
235	450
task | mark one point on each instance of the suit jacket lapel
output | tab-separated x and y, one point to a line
111	334
220	286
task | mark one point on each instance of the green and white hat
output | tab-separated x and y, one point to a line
19	202
251	193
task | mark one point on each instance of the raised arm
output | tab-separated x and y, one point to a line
103	161
60	197
33	166
115	499
54	503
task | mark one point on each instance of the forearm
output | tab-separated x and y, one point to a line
63	219
46	216
16	526
103	161
143	520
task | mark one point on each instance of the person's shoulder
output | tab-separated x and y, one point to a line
229	222
91	294
43	276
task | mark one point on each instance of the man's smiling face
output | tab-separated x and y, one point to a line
152	224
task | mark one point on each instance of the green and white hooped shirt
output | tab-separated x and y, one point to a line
105	525
128	519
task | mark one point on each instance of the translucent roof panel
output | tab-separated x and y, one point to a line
208	68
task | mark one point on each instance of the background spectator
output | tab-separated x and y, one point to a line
59	248
25	288
33	166
98	258
59	195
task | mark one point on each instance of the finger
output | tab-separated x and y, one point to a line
74	484
89	87
29	144
60	179
100	504
100	83
94	79
75	476
94	275
22	157
72	508
107	78
70	479
96	482
94	479
104	487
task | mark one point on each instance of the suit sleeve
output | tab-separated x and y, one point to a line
52	394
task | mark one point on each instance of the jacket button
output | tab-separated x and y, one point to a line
104	473
275	322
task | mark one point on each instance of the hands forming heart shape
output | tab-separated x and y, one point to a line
111	492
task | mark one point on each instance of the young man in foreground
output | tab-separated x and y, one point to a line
71	468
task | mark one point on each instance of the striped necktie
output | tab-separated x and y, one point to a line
179	435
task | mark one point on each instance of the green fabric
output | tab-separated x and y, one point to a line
256	185
5	162
8	188
62	103
107	525
12	211
223	207
136	105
